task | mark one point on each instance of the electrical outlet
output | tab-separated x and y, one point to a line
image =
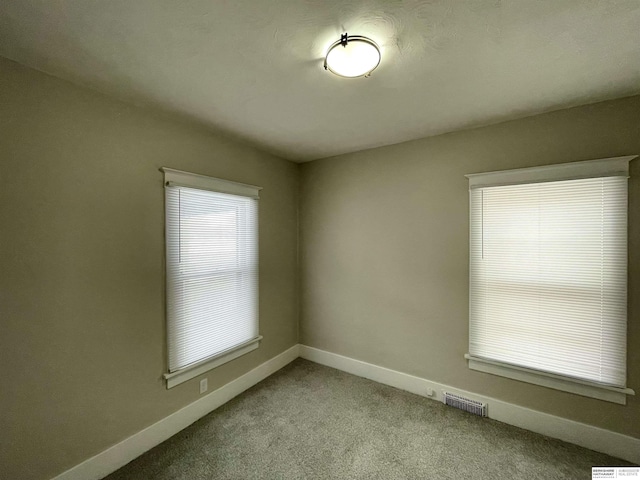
430	392
203	385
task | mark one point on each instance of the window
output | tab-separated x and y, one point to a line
211	272
548	276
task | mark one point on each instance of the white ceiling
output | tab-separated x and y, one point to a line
253	69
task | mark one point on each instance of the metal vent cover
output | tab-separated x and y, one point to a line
463	403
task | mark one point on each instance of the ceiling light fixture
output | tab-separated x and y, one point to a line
352	56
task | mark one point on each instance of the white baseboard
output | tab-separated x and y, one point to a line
594	438
122	453
587	436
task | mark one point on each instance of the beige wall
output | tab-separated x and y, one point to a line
384	257
82	338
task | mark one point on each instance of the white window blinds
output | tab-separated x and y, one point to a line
212	271
548	271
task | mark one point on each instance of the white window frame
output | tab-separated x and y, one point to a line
174	177
616	166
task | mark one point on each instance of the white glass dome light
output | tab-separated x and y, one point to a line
352	56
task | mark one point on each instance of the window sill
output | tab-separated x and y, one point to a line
549	380
192	371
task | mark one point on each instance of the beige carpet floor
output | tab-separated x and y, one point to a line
308	421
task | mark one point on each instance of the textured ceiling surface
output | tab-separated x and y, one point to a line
253	69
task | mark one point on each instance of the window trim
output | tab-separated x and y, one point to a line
550	380
203	182
614	166
192	371
603	167
173	177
